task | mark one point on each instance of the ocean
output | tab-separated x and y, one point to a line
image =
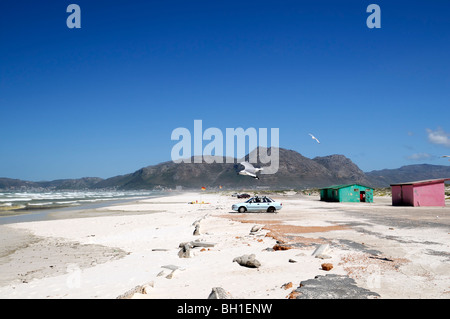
30	206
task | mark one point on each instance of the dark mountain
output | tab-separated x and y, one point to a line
9	183
294	171
343	169
410	173
61	184
170	174
71	184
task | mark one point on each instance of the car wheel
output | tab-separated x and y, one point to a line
242	209
271	209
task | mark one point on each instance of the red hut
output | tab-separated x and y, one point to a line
421	193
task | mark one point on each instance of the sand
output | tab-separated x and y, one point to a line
393	252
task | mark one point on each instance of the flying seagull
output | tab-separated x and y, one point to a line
447	156
249	170
314	138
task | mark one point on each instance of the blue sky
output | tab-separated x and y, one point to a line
103	100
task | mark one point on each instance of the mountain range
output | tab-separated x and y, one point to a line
295	171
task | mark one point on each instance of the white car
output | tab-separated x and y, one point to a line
258	204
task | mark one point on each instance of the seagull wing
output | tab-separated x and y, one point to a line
314	138
248	167
250	174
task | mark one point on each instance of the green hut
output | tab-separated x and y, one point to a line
347	193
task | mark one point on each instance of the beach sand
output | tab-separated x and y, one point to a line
391	252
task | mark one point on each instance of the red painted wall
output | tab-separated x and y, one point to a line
429	195
419	195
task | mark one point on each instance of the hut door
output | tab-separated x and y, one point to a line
362	196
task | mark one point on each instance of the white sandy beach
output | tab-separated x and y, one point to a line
395	252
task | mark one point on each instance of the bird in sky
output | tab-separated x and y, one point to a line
250	170
446	156
314	138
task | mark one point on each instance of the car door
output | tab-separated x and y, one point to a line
259	205
264	204
255	205
251	205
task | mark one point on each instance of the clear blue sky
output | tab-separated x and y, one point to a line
103	100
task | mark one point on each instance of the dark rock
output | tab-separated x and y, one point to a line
185	251
281	247
197	230
332	287
247	261
327	267
219	293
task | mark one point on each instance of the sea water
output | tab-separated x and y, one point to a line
30	206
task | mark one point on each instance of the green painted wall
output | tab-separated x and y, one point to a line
348	193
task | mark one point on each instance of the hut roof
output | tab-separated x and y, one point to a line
427	181
345	185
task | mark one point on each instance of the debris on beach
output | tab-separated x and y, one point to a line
141	289
332	287
287	285
247	261
185	251
173	271
327	266
293	294
185	247
197	225
172	267
381	258
219	293
281	247
323	256
255	229
197	230
172	274
205	244
200	219
161	273
322	249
